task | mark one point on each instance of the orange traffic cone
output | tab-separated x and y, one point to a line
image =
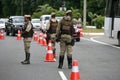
44	42
45	35
75	75
44	39
35	36
81	32
2	35
49	54
40	40
19	35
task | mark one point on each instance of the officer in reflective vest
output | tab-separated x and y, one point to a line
66	30
51	31
27	34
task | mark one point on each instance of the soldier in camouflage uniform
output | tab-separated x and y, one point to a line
66	30
51	30
27	34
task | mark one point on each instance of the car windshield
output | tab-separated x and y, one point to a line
35	21
47	18
18	20
2	22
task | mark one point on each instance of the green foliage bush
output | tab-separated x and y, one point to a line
47	9
36	15
42	10
91	16
76	13
60	13
98	21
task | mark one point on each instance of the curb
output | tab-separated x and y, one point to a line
93	33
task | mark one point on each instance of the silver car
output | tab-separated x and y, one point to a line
2	23
36	24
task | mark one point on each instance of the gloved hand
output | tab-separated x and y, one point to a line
72	42
23	33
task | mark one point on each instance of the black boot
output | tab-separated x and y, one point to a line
61	58
27	60
69	58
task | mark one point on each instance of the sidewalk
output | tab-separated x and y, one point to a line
105	39
102	38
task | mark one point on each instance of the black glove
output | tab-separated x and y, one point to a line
58	38
23	33
72	42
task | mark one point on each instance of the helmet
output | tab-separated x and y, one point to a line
28	16
74	21
68	11
53	13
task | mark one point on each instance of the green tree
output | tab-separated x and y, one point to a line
43	9
60	13
13	7
1	13
99	21
76	13
91	16
96	6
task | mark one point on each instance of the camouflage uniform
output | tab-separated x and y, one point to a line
27	40
51	30
66	30
27	34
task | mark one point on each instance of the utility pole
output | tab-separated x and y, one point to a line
21	7
84	14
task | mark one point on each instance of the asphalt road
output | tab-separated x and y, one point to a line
96	61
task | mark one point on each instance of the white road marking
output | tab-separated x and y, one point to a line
92	39
62	75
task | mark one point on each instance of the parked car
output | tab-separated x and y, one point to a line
36	24
14	24
44	19
76	35
58	18
2	23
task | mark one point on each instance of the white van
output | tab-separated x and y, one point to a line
44	19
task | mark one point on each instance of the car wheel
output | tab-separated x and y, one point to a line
77	39
118	39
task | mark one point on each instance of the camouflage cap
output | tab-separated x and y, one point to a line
74	21
27	16
68	11
53	13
